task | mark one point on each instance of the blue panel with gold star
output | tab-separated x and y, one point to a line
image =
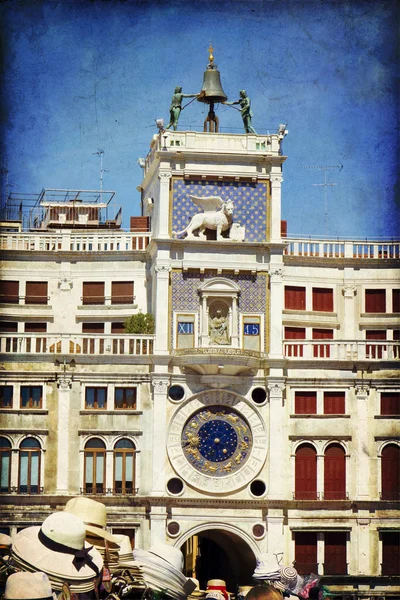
250	204
216	440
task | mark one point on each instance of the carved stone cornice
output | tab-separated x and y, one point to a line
162	268
276	389
276	180
276	274
164	176
64	382
362	390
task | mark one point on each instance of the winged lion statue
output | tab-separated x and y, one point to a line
217	215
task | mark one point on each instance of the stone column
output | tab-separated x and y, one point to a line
161	307
363	546
159	445
278	469
320	553
275	536
349	313
162	206
320	476
158	524
361	444
64	383
109	470
276	185
275	311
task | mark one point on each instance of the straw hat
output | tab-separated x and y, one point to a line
289	577
170	554
58	548
244	590
216	588
93	514
28	586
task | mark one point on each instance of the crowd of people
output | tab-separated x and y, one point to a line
72	556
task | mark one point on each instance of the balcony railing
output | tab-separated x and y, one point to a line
306	495
84	344
343	249
103	491
75	242
22	489
341	350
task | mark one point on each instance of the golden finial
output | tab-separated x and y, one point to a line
211	50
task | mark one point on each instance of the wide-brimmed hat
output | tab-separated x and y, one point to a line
160	572
244	590
93	514
28	586
267	567
58	548
197	592
216	588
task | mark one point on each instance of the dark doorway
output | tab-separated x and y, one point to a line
218	554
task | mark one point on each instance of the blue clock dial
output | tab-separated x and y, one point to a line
217	440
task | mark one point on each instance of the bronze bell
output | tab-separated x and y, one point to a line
212	87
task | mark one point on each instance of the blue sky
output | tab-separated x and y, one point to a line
89	74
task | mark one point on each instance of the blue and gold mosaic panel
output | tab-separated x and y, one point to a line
250	204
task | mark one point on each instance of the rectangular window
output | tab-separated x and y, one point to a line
375	350
125	398
9	292
322	350
322	299
252	333
117	328
31	396
185	331
93	328
122	292
8	327
93	292
390	552
335	553
295	297
36	292
306	552
294	333
390	403
35	327
6	396
395	301
334	403
96	398
305	403
375	301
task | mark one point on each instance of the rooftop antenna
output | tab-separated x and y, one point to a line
325	168
100	153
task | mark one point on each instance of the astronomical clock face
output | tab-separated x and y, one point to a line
217	441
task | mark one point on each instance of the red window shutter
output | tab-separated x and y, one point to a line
390	552
9	292
390	403
305	552
390	467
395	301
295	333
306	473
305	403
93	292
122	292
396	335
35	327
93	328
295	297
334	473
322	350
335	553
36	292
322	299
334	403
117	328
8	327
375	301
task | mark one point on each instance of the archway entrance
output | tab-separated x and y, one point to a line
219	554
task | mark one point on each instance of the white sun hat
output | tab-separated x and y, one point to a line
169	553
93	514
28	586
267	567
58	548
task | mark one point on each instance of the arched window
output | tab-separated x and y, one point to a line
5	465
124	467
29	466
390	472
306	473
95	466
334	473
